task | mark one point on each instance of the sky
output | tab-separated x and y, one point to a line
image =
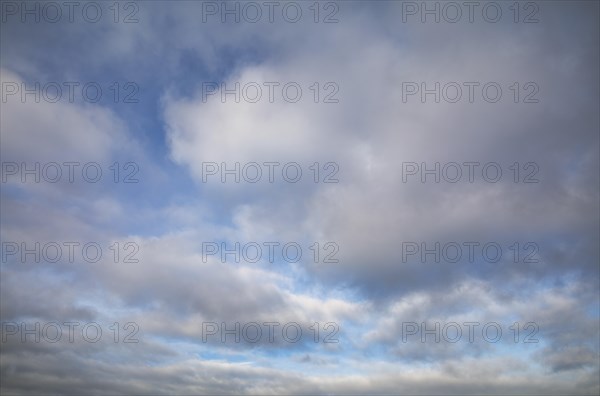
309	197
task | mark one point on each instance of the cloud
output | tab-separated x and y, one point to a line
368	135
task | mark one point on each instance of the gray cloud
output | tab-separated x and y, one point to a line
370	133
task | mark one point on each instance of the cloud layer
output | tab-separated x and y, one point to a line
357	123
